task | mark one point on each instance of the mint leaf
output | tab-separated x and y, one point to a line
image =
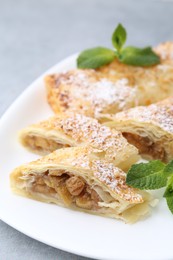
147	175
95	58
119	37
153	175
169	201
169	188
169	193
139	57
99	56
169	168
168	172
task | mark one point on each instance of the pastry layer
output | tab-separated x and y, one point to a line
149	128
65	130
112	88
74	178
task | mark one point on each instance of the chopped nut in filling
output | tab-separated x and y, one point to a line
39	143
146	146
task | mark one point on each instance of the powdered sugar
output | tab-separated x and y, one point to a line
107	90
165	50
115	179
166	55
101	92
160	114
112	177
82	161
88	131
164	68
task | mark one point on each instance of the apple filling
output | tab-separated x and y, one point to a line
42	144
146	146
70	189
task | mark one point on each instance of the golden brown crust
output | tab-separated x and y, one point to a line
154	122
88	92
112	88
165	51
78	130
79	162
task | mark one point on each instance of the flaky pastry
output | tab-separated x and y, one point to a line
74	178
149	128
112	88
64	130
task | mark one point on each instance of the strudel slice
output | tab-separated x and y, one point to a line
112	88
64	130
74	178
149	128
88	92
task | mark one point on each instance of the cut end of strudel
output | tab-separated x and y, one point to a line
112	88
75	179
65	130
150	128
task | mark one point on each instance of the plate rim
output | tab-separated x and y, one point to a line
3	116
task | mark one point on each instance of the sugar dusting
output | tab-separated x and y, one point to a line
81	161
165	50
115	179
164	68
89	131
160	114
100	92
112	177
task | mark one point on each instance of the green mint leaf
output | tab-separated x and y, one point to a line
139	57
147	176
169	168
169	193
169	201
119	37
169	188
168	172
95	58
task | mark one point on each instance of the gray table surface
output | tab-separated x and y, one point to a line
36	34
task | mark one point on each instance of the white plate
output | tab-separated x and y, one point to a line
75	232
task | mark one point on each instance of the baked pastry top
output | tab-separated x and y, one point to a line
74	178
88	92
65	130
149	128
112	88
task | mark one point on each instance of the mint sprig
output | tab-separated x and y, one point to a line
102	56
96	57
169	194
169	188
153	175
148	176
137	56
119	37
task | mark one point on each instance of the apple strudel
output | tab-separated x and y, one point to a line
149	128
74	178
66	130
112	88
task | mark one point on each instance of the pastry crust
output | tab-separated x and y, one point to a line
71	129
88	92
149	128
112	88
74	178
